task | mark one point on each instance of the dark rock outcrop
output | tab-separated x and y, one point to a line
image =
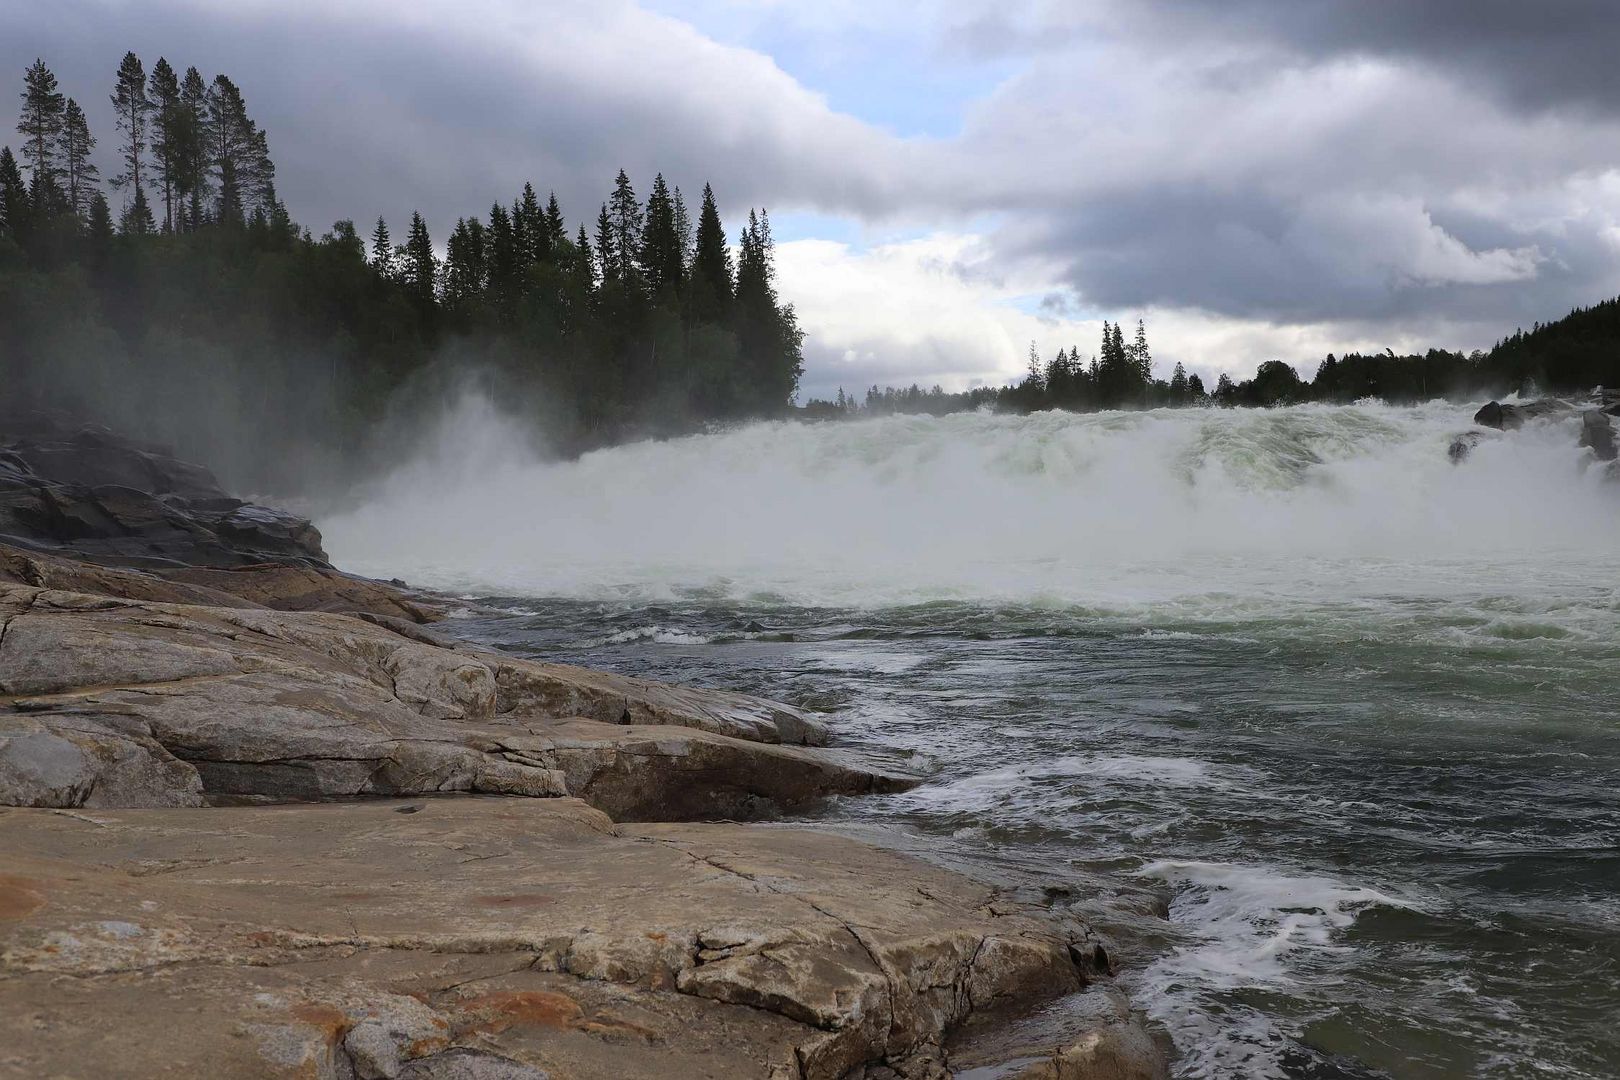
1512	417
1461	446
1597	434
123	503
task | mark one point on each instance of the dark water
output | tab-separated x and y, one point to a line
1389	834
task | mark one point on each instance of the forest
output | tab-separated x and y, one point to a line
1572	355
200	314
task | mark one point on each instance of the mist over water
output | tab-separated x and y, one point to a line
1111	508
1352	708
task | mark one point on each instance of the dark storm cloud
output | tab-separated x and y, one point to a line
371	110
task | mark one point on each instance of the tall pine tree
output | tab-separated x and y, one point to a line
40	125
80	177
132	107
625	221
167	138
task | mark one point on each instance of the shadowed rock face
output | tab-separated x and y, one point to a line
520	937
126	503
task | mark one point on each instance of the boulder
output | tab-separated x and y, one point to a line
513	939
1597	434
1512	417
138	703
1462	445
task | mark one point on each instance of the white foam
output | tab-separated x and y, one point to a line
1248	929
1224	513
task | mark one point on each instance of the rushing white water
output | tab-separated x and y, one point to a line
1110	509
1352	704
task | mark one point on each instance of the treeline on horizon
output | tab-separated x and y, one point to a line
199	313
1574	354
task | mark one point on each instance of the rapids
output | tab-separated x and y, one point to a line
1352	710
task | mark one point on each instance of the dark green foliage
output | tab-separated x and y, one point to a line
217	322
80	177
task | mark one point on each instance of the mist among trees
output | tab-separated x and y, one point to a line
178	298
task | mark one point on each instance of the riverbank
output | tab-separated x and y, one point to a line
261	821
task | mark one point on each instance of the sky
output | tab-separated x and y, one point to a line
949	182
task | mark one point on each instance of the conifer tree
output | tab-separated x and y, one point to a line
503	257
14	215
133	106
625	221
683	234
238	154
137	219
607	260
661	245
99	230
382	250
556	228
1179	393
584	260
163	90
40	125
193	151
711	264
79	174
529	227
421	266
1141	355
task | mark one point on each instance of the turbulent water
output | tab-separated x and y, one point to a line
1353	710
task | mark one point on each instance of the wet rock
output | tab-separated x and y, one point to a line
1512	417
1597	434
124	503
1462	445
509	938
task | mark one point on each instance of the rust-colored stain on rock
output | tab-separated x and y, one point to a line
495	1012
17	900
332	1021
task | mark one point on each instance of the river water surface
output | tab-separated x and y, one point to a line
1351	711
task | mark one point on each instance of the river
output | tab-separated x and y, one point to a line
1349	711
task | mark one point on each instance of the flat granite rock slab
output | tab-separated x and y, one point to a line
106	701
513	936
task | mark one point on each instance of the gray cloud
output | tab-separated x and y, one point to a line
1397	169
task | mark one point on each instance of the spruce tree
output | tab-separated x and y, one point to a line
503	259
14	214
382	250
626	221
529	225
99	231
1179	392
137	220
1141	355
661	245
132	106
683	234
607	260
421	267
711	265
79	173
40	125
556	228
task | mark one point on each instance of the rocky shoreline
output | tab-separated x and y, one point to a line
258	820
